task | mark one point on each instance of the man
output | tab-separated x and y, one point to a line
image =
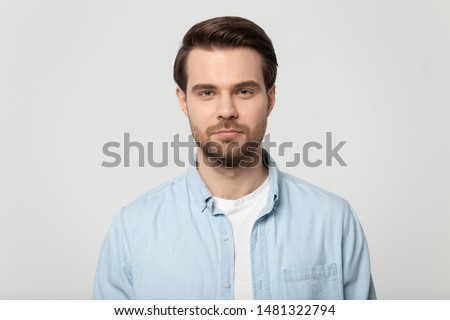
233	226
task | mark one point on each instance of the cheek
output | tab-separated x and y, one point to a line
254	114
200	111
258	106
200	119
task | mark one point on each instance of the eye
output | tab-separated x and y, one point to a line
245	93
206	93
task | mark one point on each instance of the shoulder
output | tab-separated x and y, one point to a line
307	197
292	184
154	200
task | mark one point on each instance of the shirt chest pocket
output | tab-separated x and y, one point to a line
312	283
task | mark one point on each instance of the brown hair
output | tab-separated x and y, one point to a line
226	32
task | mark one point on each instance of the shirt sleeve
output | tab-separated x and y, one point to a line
357	277
113	278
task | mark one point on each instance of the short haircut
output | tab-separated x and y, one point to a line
226	33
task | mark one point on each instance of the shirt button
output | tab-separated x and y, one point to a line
224	237
226	285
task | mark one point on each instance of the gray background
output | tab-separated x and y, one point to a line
77	74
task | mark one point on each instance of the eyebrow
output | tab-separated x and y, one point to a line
206	86
202	86
250	83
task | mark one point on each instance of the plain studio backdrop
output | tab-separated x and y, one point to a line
75	75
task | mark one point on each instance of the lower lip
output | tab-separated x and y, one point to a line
228	134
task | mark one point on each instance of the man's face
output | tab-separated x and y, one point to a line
226	102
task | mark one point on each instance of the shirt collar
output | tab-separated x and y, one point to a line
204	196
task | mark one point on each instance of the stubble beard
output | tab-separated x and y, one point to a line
228	153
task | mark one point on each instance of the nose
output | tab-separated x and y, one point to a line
227	108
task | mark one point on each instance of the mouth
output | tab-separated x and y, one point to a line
227	133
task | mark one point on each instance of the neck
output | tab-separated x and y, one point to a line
232	183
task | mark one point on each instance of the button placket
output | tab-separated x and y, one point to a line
226	257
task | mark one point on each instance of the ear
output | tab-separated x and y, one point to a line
271	99
182	101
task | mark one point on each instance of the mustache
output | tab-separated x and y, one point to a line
227	124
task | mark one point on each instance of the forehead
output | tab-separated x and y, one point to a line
223	67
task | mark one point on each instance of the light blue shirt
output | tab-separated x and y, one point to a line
173	243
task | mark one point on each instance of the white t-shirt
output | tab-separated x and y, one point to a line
242	214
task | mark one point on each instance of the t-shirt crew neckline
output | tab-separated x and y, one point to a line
231	206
